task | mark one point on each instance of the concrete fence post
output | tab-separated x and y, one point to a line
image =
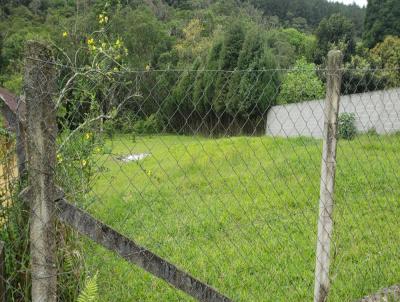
328	168
41	131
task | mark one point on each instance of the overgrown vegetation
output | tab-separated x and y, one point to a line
14	230
75	174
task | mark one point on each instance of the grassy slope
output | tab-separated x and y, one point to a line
240	213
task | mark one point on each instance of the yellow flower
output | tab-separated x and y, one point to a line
147	67
90	41
59	158
103	19
88	135
83	162
65	34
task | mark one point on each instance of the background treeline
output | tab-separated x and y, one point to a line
224	62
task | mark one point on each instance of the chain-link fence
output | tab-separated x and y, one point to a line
210	180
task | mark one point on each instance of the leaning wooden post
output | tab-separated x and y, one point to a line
41	131
328	167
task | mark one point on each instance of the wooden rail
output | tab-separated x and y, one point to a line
387	294
102	234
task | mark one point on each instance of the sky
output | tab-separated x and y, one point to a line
359	2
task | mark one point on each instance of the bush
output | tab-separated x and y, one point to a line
301	84
150	125
347	126
125	123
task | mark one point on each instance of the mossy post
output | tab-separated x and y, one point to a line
328	168
41	130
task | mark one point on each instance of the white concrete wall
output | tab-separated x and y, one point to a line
379	110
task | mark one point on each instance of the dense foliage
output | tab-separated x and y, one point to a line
301	84
215	54
335	32
382	19
307	14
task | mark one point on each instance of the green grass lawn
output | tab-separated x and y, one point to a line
240	214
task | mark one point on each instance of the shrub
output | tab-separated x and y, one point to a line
347	126
150	125
77	156
301	84
125	122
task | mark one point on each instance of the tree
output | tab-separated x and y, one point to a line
180	107
289	44
228	60
193	44
204	90
312	11
301	84
335	32
360	76
142	32
254	84
373	69
386	56
382	19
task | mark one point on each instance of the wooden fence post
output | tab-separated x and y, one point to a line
2	273
328	167
41	131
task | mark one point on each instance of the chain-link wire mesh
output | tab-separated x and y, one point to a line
185	169
218	172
